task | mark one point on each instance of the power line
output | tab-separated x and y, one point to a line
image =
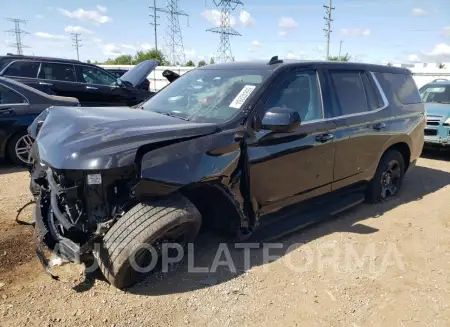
155	21
76	43
225	30
328	20
340	48
174	38
18	33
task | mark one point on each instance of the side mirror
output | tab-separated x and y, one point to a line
281	120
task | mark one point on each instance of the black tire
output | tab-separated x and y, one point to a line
145	223
377	187
11	149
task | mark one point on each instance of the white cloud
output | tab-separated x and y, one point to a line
38	16
146	46
92	16
101	8
256	43
97	40
214	17
281	33
246	19
45	35
110	49
439	53
418	12
355	31
128	46
287	22
77	29
413	58
291	55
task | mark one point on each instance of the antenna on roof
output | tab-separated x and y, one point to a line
274	60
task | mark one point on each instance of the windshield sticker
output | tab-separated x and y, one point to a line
242	96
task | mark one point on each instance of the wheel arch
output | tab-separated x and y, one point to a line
404	150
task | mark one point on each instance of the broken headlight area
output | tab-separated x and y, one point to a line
75	209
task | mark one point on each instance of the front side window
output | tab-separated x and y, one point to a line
299	91
8	96
207	95
57	72
92	75
21	68
435	93
350	92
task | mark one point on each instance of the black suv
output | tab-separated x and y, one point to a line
254	150
90	84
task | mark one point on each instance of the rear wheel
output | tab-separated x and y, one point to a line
146	226
388	178
19	148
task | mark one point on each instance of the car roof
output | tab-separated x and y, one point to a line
439	82
264	65
37	58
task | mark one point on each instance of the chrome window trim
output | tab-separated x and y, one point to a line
14	61
383	97
320	95
20	94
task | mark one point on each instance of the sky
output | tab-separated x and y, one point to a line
378	31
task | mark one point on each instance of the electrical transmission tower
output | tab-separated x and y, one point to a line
174	39
76	43
18	33
328	20
155	21
225	30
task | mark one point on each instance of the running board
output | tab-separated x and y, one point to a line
289	223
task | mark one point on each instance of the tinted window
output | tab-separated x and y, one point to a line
8	96
299	91
92	75
350	92
401	87
23	69
435	93
57	72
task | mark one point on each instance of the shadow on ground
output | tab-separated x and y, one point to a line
419	182
8	168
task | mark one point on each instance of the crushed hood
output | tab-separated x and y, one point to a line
106	137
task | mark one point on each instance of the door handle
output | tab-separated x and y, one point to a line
6	111
91	88
324	137
379	126
45	83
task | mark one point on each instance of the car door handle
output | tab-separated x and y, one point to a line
379	126
45	83
324	137
6	111
91	88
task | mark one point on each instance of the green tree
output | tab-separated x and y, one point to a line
190	63
442	66
88	61
390	64
123	60
201	63
212	61
337	58
151	54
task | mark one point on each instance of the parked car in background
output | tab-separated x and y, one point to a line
118	73
90	84
436	96
253	150
19	106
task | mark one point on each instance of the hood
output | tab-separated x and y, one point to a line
438	109
106	137
139	73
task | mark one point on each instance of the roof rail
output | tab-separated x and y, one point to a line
274	60
439	79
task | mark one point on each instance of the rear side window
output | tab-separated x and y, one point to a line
57	72
350	92
8	96
23	69
400	87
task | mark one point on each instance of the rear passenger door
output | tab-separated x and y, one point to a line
59	79
361	118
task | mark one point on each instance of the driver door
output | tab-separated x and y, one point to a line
286	168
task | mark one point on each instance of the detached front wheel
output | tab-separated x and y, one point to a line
134	241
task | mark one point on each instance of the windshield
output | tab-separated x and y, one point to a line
207	95
435	94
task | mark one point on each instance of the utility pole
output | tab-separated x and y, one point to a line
340	48
76	43
225	30
155	21
328	20
18	33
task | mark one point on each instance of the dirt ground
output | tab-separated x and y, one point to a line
375	265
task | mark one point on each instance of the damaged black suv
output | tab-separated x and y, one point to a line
251	150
